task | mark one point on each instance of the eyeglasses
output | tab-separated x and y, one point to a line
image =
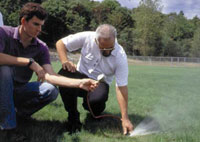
104	49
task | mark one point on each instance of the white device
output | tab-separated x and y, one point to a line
101	78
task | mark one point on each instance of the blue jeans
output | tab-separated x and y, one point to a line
23	99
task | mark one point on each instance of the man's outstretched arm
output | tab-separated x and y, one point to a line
122	97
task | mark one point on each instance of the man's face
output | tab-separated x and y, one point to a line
33	27
105	45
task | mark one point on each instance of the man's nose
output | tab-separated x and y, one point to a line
39	28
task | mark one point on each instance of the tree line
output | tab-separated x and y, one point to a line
144	30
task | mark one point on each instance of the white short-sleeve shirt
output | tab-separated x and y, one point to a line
92	63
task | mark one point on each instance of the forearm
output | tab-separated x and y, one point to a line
62	52
62	81
6	59
122	97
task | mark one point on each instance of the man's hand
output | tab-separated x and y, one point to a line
38	70
88	84
127	126
69	66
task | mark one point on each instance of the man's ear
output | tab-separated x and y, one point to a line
23	20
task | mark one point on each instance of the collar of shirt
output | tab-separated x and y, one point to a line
114	52
17	37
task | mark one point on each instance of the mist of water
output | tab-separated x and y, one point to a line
147	126
178	110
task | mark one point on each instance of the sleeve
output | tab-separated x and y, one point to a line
121	73
74	42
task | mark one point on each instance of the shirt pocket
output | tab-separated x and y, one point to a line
108	68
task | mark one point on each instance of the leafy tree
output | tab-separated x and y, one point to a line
120	18
195	51
10	13
75	22
141	31
101	10
78	15
10	10
178	30
184	47
195	23
125	38
54	27
148	19
169	47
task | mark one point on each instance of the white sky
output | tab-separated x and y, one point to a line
190	8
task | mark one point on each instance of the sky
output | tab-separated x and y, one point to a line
190	8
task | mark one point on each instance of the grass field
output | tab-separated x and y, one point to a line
169	94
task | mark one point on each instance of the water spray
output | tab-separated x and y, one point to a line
146	127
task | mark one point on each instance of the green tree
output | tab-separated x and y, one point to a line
54	27
148	24
100	11
78	15
75	22
120	18
195	23
178	30
182	28
125	38
195	50
10	10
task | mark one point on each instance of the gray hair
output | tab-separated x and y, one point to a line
106	31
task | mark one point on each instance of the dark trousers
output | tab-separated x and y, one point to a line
97	99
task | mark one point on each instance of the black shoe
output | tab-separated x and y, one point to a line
74	127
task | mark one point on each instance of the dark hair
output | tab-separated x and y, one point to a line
31	9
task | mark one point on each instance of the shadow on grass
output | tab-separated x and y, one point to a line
111	124
53	131
39	130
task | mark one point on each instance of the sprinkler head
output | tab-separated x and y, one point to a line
101	78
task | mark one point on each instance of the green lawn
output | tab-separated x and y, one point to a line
169	94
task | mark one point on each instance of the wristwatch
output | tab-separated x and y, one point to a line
31	60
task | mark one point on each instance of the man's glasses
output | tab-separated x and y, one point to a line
104	49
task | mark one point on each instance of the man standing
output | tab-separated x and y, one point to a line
21	54
100	55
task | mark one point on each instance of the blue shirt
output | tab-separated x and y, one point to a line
10	43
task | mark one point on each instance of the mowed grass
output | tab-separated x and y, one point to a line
170	94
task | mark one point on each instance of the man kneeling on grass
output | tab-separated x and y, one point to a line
101	54
21	54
